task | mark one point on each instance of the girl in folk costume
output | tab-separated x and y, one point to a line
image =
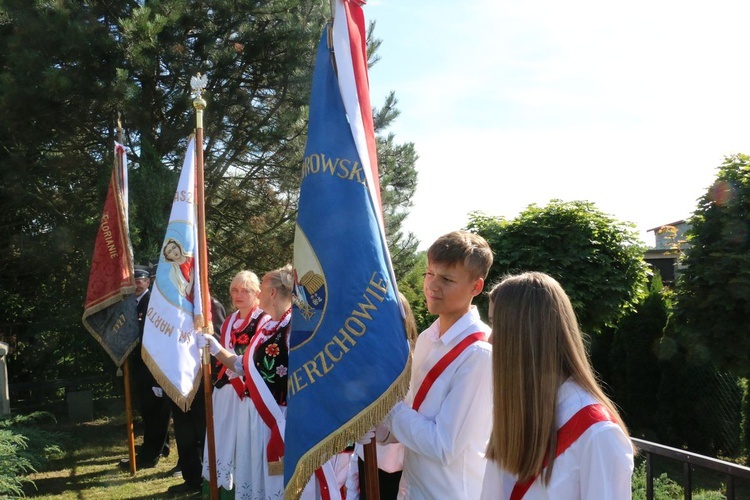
261	420
229	390
555	435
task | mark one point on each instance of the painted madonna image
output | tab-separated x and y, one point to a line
181	268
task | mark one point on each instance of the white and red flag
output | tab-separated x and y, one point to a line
175	309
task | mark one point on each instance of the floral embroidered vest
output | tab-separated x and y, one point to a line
271	358
242	339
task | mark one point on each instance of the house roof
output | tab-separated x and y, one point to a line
676	223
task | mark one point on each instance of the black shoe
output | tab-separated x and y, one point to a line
165	451
175	472
139	463
184	488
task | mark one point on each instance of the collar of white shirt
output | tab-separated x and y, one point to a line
468	319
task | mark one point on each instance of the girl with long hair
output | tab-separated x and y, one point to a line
555	434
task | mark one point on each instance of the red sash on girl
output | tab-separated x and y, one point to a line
237	383
265	404
566	436
441	365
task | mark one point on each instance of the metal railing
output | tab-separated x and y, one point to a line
689	461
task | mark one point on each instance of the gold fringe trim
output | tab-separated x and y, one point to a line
124	292
169	389
276	468
126	248
347	434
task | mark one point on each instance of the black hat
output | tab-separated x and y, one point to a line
141	272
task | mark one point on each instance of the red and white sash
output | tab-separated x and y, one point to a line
237	382
272	416
265	404
566	436
442	364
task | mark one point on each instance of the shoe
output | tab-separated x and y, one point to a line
139	463
175	472
165	451
184	488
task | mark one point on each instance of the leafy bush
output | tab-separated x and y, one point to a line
12	464
25	447
666	488
597	259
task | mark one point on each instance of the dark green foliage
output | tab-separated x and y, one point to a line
745	423
634	364
664	487
599	348
699	407
411	286
54	67
68	69
12	464
713	293
24	448
596	259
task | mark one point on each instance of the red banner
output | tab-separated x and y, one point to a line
110	309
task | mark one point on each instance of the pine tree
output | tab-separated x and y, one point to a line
69	69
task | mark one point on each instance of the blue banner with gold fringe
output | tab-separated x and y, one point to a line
349	355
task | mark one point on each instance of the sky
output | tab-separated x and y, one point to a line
629	105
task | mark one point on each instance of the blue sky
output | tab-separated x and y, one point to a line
629	105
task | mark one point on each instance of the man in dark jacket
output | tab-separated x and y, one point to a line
155	408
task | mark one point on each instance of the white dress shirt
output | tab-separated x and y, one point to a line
446	439
598	466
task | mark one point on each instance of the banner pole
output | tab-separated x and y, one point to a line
126	363
129	415
198	85
372	487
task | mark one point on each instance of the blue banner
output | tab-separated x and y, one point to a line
349	356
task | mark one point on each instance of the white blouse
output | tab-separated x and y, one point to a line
598	466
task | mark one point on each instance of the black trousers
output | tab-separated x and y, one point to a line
190	434
387	482
155	412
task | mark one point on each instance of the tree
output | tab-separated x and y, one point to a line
597	260
69	68
713	292
410	285
56	66
635	372
700	408
398	179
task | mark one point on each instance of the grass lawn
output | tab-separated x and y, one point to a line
89	469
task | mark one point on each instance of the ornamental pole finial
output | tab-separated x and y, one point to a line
198	85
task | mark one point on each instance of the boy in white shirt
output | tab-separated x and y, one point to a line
445	420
